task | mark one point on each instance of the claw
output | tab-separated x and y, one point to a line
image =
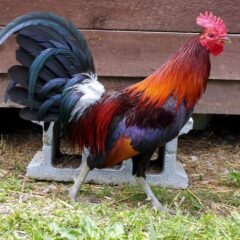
159	207
151	197
72	194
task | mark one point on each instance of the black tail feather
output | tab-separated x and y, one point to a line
19	75
49	39
46	85
34	49
32	115
26	60
54	85
20	95
48	105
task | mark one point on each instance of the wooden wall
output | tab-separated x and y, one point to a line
130	39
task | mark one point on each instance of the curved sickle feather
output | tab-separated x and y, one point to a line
38	64
62	26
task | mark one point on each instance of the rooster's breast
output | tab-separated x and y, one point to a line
149	129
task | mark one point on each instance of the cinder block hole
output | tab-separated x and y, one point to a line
156	163
67	161
66	157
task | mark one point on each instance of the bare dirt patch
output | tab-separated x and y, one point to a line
208	156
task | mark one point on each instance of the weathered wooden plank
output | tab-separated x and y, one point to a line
221	97
150	15
138	54
7	54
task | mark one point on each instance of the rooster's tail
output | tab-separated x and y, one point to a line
55	59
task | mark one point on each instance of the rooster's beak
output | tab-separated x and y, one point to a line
225	40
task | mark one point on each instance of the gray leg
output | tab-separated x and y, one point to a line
150	195
84	170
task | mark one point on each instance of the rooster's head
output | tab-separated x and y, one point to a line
214	35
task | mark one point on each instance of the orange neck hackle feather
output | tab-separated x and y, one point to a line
183	76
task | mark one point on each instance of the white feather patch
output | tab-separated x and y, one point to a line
92	91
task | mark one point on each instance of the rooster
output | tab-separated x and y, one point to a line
56	82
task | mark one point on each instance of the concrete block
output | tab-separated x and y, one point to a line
173	176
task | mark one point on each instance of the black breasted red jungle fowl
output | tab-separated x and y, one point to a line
56	81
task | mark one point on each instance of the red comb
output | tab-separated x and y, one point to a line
208	20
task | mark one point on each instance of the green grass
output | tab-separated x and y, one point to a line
58	221
41	210
209	209
234	178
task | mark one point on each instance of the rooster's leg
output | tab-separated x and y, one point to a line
84	170
150	195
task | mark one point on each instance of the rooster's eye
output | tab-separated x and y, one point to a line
211	35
